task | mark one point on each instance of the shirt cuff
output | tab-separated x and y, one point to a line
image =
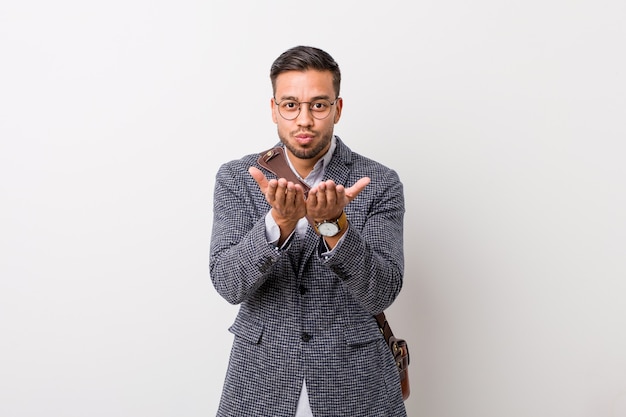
272	232
326	252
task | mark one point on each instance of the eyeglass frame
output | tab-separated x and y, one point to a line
300	103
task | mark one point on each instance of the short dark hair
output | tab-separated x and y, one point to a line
302	58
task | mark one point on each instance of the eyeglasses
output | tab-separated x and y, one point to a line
290	109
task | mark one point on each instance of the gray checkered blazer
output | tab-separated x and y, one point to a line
304	316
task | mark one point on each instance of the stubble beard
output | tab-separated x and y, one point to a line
307	153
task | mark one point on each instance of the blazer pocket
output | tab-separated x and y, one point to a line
249	330
361	334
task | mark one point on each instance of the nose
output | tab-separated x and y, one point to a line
305	118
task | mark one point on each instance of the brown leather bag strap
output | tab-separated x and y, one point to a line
275	161
384	326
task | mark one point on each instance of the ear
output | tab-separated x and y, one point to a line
339	107
273	107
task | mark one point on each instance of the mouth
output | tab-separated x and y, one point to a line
304	138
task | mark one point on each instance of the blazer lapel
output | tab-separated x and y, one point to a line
338	170
340	164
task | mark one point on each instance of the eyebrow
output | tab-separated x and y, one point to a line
322	97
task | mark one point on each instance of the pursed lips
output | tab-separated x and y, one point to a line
304	138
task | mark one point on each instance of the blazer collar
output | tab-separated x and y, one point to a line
340	164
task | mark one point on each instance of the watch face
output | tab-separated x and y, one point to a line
328	229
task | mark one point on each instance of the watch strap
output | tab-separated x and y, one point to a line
341	221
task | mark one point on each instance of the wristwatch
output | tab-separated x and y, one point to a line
330	228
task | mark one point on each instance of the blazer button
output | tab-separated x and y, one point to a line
306	337
303	290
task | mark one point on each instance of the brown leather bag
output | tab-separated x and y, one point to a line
275	161
400	350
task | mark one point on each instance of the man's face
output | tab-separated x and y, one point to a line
306	137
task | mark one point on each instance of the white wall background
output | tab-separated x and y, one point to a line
505	120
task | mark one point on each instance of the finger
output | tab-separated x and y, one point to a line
259	177
320	195
340	193
358	186
290	194
272	190
299	196
331	193
311	197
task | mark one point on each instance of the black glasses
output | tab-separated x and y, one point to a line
290	109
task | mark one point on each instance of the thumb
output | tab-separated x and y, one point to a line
358	186
259	177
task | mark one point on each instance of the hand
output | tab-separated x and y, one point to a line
285	197
327	200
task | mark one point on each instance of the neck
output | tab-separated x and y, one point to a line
302	166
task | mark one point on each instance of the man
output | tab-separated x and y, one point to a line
309	271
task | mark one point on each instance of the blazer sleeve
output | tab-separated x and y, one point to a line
240	256
370	259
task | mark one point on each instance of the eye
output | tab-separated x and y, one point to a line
320	105
289	105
